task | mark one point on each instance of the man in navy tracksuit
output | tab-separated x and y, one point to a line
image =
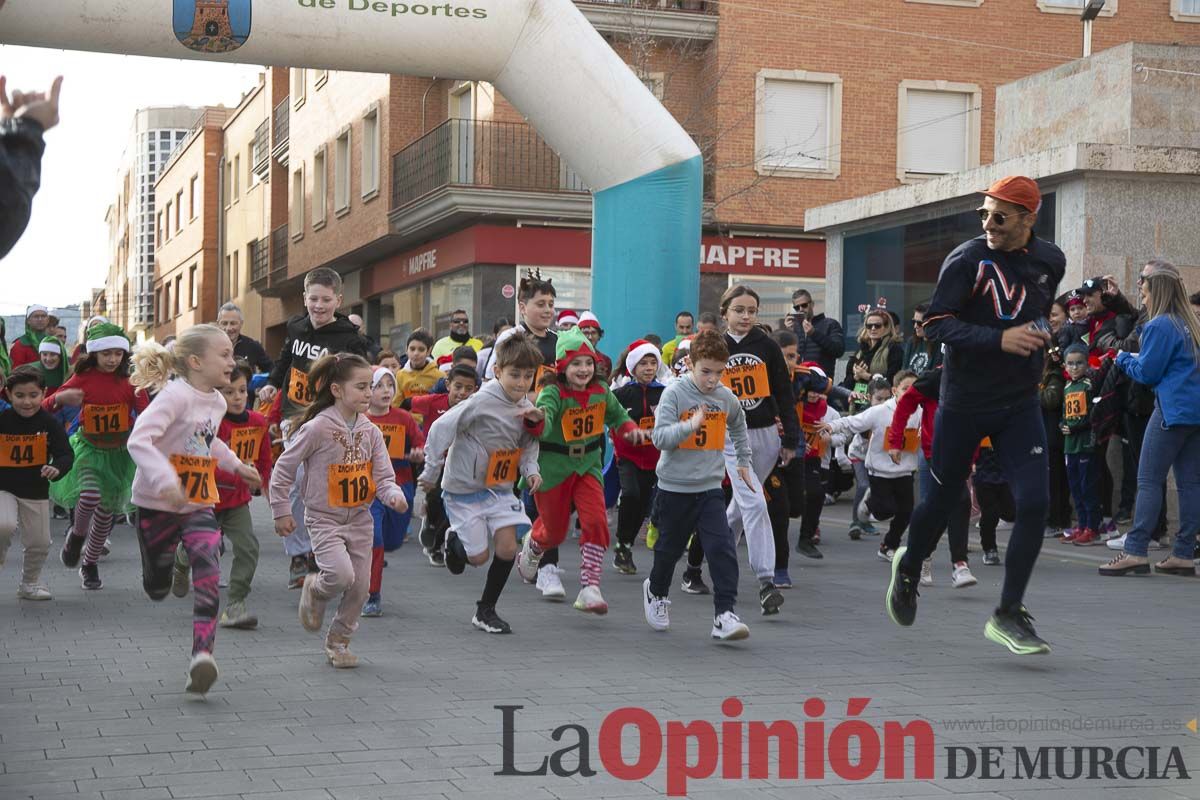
989	309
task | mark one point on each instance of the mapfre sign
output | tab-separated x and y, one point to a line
750	255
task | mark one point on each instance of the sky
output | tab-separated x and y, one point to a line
64	252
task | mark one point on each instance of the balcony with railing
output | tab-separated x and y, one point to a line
261	149
279	254
281	120
673	19
260	262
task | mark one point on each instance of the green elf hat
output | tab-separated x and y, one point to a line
107	336
571	343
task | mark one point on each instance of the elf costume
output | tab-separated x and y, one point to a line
570	465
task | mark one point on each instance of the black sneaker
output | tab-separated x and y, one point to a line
71	550
91	576
437	558
59	512
623	560
693	582
428	536
901	600
456	554
297	571
486	619
806	547
769	598
1014	630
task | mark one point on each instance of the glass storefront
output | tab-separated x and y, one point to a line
902	263
448	294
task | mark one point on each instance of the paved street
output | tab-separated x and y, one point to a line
92	704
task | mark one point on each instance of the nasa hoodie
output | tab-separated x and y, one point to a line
302	346
754	349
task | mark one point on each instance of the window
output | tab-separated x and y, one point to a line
320	189
937	128
237	177
234	284
166	302
228	183
1185	10
159	238
655	82
297	88
296	218
178	209
194	285
193	197
168	223
178	292
341	173
1074	7
229	271
252	178
370	153
798	127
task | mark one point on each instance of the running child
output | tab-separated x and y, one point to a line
698	421
33	452
175	446
345	465
405	442
52	364
420	372
485	443
636	462
577	405
98	486
245	431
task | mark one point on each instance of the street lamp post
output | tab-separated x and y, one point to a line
1090	12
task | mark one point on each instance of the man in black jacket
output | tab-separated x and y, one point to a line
230	320
24	118
821	337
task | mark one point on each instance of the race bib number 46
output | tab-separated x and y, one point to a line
105	419
197	478
710	435
23	451
747	381
583	423
350	485
502	467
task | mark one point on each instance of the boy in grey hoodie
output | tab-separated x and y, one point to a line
693	417
486	443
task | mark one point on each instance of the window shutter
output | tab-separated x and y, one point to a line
796	117
935	132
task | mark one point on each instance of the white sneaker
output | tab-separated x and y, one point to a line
202	673
527	562
961	577
927	572
591	601
34	591
655	607
1109	535
549	583
1156	544
727	626
885	554
864	513
1117	543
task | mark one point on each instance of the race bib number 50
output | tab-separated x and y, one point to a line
747	381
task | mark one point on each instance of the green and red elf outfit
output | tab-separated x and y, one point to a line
570	459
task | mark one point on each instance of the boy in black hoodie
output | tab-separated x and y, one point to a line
33	451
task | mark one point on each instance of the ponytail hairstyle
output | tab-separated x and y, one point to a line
155	365
329	369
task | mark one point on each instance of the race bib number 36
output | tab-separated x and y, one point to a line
502	467
23	451
350	485
583	423
105	419
244	442
710	435
747	381
197	478
299	389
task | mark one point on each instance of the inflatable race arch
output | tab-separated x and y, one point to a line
543	55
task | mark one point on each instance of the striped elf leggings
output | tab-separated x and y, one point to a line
91	520
159	532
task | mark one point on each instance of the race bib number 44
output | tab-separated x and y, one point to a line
105	419
23	451
583	423
747	381
710	435
197	478
350	485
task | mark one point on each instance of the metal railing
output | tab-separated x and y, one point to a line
279	252
484	153
260	260
261	151
280	123
691	6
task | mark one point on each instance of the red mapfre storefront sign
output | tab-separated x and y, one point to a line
572	247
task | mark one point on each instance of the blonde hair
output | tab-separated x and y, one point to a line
1166	294
154	365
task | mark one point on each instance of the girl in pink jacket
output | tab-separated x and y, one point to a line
175	447
346	466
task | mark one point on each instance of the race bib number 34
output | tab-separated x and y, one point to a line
350	485
23	451
747	381
583	423
197	478
711	434
105	419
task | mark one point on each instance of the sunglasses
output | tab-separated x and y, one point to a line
874	326
458	322
799	306
918	323
1001	218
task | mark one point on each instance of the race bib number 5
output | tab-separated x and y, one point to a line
350	485
502	467
583	423
23	451
197	478
747	381
710	435
105	419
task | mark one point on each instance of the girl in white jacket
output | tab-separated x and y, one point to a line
891	492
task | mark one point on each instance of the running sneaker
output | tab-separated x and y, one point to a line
991	558
527	560
864	512
1051	532
885	553
436	558
901	600
1087	538
1014	630
374	605
297	571
179	580
1107	526
1117	543
1070	535
456	554
486	619
693	582
337	650
623	560
655	608
927	572
59	512
808	548
105	549
34	591
868	528
1123	516
728	627
236	615
427	536
591	601
829	499
1157	544
311	611
961	577
202	673
549	582
769	599
856	531
782	579
71	550
90	573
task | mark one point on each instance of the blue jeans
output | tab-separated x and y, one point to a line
1164	448
1083	474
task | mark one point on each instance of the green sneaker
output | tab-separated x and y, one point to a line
1015	631
901	600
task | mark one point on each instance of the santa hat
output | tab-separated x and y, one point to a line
812	378
107	336
570	345
50	345
34	309
379	374
588	320
684	344
444	363
567	317
1074	300
639	350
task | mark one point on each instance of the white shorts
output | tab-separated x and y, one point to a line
478	515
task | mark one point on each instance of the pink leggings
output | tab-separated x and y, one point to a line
159	533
